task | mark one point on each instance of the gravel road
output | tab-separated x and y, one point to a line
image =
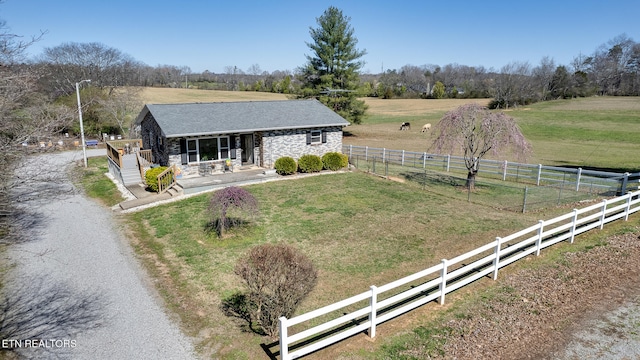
76	288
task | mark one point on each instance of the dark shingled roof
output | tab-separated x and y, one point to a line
178	120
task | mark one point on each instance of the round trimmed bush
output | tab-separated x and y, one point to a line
286	165
151	177
334	161
309	163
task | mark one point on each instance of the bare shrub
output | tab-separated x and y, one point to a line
278	278
230	207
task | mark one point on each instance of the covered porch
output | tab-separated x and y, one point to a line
128	162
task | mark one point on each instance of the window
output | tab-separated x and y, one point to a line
192	150
205	149
316	136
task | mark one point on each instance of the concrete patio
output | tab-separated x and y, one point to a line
198	184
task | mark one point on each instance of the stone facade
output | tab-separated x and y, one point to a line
279	143
153	138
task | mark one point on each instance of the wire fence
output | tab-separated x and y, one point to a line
508	186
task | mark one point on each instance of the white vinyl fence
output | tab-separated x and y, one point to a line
380	304
506	170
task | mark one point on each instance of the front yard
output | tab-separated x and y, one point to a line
358	229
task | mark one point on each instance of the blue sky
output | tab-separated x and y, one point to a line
211	35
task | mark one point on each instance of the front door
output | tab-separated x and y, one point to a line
247	148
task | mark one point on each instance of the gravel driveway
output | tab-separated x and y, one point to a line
76	289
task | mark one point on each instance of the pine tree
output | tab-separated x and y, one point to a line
332	71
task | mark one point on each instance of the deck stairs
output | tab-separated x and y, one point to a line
129	170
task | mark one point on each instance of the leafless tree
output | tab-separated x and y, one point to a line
513	86
24	116
475	131
278	278
542	76
121	106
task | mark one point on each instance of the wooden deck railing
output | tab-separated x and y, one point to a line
146	155
166	179
116	149
143	157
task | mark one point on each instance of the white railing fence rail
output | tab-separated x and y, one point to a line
380	304
506	170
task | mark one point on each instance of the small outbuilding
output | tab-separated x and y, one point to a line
243	133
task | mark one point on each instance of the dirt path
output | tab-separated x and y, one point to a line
76	286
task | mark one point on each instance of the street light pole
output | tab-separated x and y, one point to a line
84	145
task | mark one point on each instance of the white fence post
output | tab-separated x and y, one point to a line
350	151
539	240
366	153
496	261
443	283
284	347
626	211
539	174
383	153
402	157
604	209
573	226
504	171
372	315
424	160
448	162
578	177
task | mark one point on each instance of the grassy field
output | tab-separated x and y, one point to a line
591	133
358	229
151	95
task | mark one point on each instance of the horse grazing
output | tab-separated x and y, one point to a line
405	126
426	127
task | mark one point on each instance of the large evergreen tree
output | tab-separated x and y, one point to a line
332	71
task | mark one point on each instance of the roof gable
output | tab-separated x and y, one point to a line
177	120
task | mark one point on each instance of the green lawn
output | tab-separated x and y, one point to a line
96	184
358	229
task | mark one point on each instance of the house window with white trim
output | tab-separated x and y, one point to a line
206	149
316	137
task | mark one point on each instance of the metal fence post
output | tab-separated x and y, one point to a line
625	182
539	174
524	200
372	315
366	153
383	153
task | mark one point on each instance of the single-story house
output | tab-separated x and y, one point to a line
246	133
